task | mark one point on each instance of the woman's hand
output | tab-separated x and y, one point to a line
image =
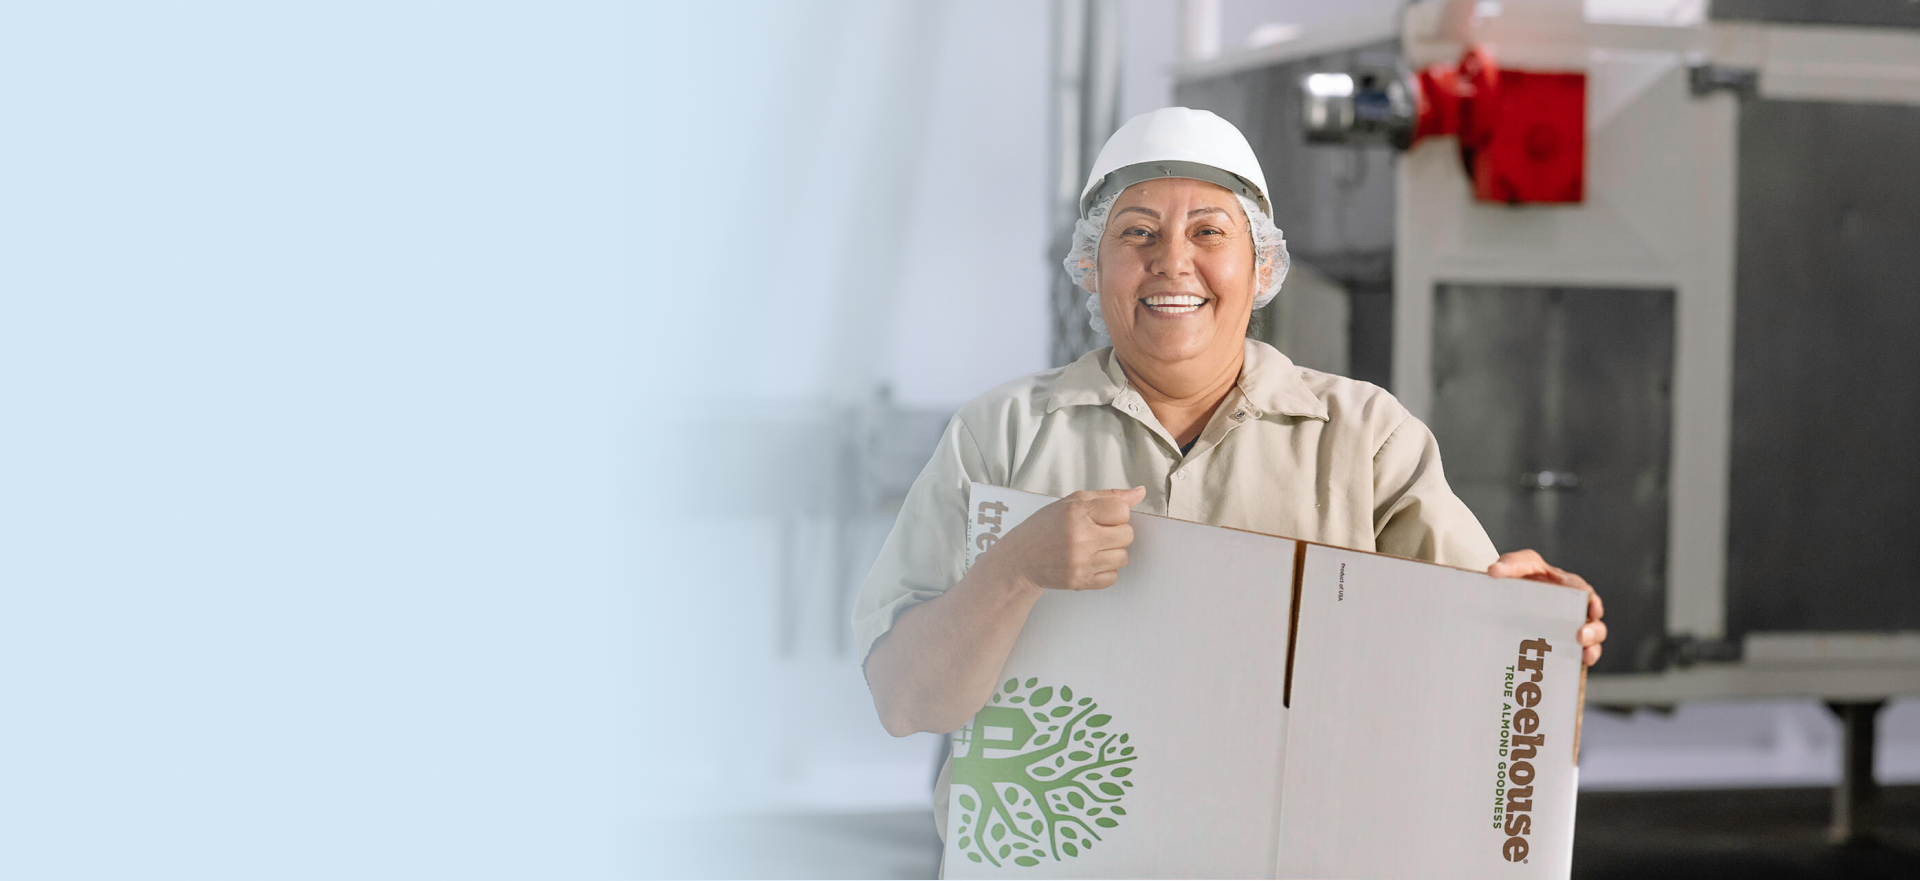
942	658
1077	543
1529	565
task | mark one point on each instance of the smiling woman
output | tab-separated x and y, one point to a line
1176	249
1178	277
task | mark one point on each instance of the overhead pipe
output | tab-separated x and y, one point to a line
1084	112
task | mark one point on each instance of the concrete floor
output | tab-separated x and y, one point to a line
1745	833
1741	833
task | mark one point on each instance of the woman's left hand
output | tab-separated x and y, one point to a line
1528	565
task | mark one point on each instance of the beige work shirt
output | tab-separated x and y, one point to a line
1291	451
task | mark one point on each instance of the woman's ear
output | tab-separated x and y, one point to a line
1263	272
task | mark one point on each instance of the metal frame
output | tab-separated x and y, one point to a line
1645	224
1656	217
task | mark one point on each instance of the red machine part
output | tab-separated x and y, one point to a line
1523	134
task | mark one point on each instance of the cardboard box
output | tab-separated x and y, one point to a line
1251	706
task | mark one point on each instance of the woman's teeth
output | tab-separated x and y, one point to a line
1175	304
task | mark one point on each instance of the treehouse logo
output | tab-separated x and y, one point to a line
1037	776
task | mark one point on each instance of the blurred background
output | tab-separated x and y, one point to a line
447	438
1597	391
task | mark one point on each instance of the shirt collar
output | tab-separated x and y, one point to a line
1268	379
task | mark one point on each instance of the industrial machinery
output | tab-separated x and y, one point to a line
1651	271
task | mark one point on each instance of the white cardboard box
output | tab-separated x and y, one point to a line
1250	706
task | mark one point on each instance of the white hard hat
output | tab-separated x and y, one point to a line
1176	142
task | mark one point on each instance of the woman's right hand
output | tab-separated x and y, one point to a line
1077	543
943	657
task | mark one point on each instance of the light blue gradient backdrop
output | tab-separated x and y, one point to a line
366	374
327	335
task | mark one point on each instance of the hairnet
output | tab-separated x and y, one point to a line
1269	255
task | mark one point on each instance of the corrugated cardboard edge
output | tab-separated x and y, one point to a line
1271	535
1293	626
1580	710
966	550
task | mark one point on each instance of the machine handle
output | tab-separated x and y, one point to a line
1550	480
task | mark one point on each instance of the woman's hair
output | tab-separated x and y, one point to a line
1269	255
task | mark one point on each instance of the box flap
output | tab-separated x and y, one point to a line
1433	723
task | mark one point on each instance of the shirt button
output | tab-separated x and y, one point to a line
1239	414
1181	475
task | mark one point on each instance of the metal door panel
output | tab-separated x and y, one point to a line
1576	383
1824	501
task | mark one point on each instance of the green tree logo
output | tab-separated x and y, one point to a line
1037	776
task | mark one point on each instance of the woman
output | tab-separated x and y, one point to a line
1183	416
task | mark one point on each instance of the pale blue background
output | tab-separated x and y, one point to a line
353	361
400	404
317	326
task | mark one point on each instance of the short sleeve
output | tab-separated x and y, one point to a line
926	552
1415	513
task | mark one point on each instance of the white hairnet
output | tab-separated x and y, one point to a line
1269	255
